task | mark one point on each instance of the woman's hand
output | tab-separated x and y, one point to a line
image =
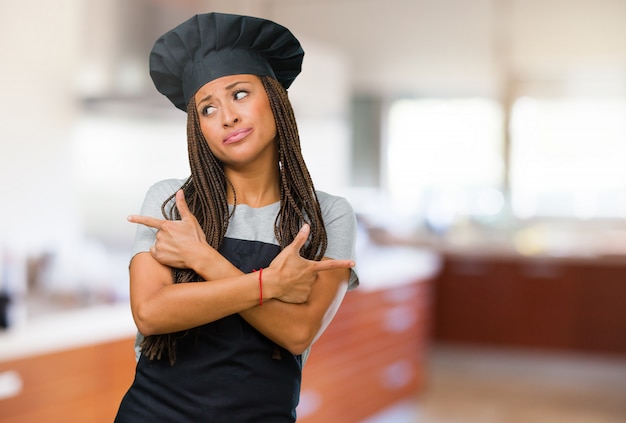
179	243
292	275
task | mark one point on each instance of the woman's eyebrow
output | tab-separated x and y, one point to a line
207	98
228	87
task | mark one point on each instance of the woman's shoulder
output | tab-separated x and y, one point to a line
158	193
166	187
334	205
330	200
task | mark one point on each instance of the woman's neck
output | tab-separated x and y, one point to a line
253	188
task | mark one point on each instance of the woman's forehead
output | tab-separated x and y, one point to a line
227	82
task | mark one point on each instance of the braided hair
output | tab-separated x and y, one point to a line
206	194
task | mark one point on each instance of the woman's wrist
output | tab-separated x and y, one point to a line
267	287
211	265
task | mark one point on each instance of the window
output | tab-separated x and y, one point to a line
568	157
445	159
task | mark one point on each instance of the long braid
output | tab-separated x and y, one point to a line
206	194
298	200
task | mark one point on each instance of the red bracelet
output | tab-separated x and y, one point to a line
261	286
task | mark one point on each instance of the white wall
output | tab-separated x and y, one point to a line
397	47
37	108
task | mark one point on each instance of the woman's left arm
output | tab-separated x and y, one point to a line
296	326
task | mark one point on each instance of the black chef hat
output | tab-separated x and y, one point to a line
212	45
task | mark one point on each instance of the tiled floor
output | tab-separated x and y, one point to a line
502	386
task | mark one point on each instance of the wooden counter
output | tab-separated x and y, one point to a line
372	354
81	385
69	367
370	357
562	303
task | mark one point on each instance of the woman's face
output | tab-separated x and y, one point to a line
236	120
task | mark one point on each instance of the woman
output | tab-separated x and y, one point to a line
270	257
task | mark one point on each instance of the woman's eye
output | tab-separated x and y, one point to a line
241	94
208	110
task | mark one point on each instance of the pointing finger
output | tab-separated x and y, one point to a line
146	220
323	265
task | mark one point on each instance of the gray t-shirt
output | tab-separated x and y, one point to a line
257	224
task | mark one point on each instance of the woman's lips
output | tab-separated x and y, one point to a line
237	135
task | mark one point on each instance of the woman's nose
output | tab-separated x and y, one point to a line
230	116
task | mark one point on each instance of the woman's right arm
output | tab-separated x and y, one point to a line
160	306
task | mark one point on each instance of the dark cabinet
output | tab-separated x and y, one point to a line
557	303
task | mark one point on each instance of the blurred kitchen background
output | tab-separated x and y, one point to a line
481	142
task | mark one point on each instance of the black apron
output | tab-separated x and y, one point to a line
225	371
